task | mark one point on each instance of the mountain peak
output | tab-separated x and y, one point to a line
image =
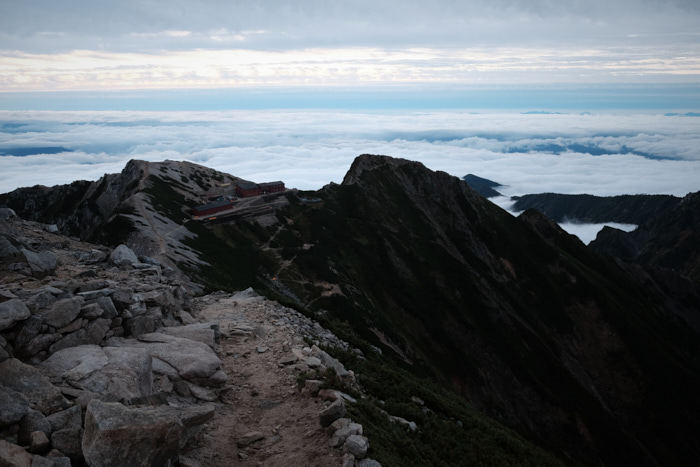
368	162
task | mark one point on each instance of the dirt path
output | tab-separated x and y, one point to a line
261	394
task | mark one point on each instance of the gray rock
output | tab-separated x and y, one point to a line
42	263
140	325
35	387
69	418
91	311
51	228
97	330
121	373
42	299
41	461
116	435
62	312
313	362
39	442
123	256
11	312
368	463
331	413
33	421
93	257
348	460
95	294
249	438
201	393
37	344
194	361
68	441
12	455
7	213
14	406
356	445
109	311
402	421
206	333
7	249
72	327
312	386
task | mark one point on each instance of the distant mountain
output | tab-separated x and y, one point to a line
670	239
489	320
483	186
626	209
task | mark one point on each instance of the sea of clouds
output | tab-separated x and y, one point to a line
601	154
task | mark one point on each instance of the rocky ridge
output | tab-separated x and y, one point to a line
107	359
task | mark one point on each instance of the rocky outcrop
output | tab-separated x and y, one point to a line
116	435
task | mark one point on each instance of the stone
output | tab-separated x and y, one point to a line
7	213
261	349
312	386
12	455
68	441
69	418
11	312
93	256
194	361
14	406
368	463
249	438
288	360
51	461
39	442
348	460
42	263
91	311
203	394
329	394
140	325
402	421
62	312
33	421
35	387
123	256
72	327
97	330
356	445
37	344
40	300
116	435
331	413
206	333
95	294
109	311
337	424
7	249
313	362
121	373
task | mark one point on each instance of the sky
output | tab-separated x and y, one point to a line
79	45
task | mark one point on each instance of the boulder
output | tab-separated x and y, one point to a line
7	213
12	455
11	312
121	373
109	311
35	387
42	263
348	460
69	418
14	406
123	256
68	441
40	300
30	423
7	249
368	463
62	312
331	413
206	333
38	442
356	445
116	435
51	461
193	361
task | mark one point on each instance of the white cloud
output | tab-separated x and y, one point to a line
308	149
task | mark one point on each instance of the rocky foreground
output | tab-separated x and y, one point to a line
107	359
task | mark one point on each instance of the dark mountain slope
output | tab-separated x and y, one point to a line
626	209
483	186
670	239
519	316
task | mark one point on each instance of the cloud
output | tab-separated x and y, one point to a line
308	149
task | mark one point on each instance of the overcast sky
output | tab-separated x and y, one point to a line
133	44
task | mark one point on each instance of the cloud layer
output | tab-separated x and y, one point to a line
307	149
